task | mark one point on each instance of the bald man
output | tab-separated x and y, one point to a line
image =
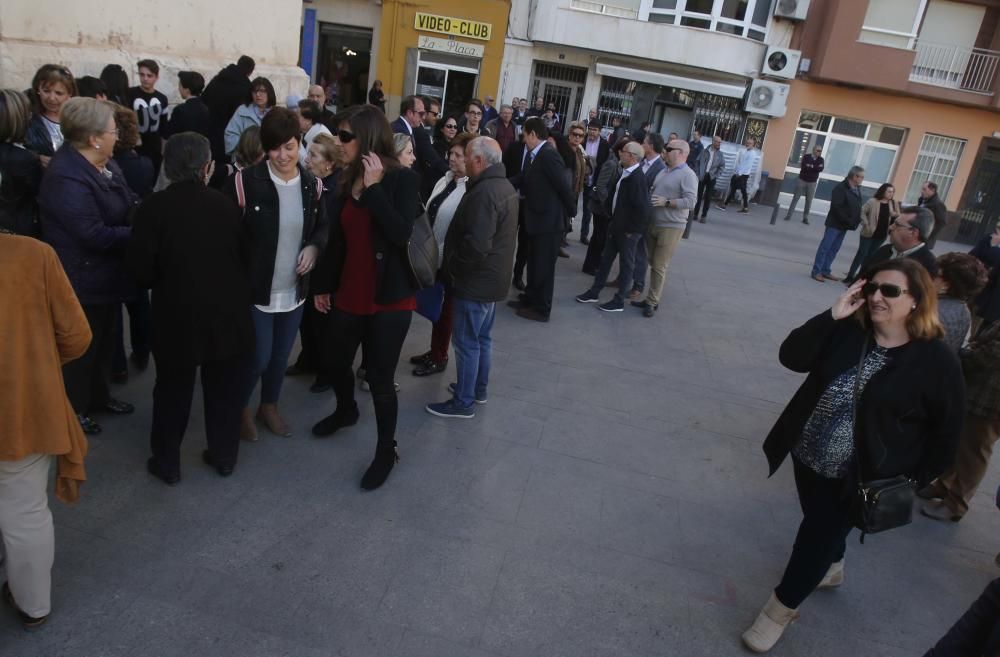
673	195
318	96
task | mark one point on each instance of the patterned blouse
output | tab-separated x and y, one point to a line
827	444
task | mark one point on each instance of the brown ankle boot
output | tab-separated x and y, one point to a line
268	414
248	430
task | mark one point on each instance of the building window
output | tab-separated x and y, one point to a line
937	161
745	18
892	23
615	100
846	142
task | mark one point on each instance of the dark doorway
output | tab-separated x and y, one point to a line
981	202
342	64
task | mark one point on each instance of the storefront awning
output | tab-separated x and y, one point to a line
667	80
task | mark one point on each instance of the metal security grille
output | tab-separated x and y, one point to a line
560	72
615	100
938	161
562	86
719	115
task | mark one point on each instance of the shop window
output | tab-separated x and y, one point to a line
937	161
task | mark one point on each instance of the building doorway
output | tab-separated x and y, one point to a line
667	119
562	86
343	63
981	205
449	79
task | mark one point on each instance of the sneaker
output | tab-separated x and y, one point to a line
28	622
744	211
616	305
479	400
588	297
451	408
720	207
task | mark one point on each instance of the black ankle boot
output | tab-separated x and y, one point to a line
340	419
378	471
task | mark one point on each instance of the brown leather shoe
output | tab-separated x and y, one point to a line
531	313
635	295
831	277
613	283
248	429
268	414
818	278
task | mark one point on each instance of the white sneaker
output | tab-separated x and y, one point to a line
769	626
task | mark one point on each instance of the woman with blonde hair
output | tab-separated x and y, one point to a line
880	379
51	87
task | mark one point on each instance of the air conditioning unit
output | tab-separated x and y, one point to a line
793	10
781	63
767	98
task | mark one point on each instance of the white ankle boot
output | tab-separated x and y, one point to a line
834	576
769	626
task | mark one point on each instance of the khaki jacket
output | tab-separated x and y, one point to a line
869	215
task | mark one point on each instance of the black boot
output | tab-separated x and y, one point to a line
340	419
385	458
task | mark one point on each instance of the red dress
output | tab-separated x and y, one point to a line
356	294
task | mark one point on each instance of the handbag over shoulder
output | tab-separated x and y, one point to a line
422	253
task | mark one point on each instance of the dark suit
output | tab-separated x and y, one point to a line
513	157
923	255
547	201
429	164
603	150
630	219
641	260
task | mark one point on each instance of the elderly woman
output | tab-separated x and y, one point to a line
85	204
441	206
884	330
310	117
285	223
187	247
262	99
20	169
43	327
367	271
51	87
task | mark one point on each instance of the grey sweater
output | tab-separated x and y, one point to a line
680	186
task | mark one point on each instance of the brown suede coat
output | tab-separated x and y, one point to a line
42	326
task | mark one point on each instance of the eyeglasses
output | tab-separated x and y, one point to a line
475	113
895	224
345	136
576	134
668	149
888	290
432	113
451	126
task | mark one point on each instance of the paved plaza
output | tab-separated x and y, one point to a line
610	499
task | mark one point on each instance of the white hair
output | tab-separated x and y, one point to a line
486	148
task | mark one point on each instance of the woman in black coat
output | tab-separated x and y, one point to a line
909	416
20	169
366	269
188	247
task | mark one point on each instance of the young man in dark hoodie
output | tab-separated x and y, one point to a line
229	89
150	106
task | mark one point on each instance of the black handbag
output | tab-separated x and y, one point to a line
880	504
422	253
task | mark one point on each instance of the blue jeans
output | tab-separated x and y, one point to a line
827	251
472	323
275	338
866	247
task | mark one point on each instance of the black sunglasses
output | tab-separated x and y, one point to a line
345	137
888	290
668	149
453	126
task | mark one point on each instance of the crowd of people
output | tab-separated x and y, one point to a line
255	225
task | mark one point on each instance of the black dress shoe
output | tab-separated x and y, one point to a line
532	314
319	385
517	304
89	427
154	469
519	284
638	304
585	241
431	367
117	407
421	359
223	470
338	420
649	310
385	459
28	622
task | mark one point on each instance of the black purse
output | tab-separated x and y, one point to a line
880	504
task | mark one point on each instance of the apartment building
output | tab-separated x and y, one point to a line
908	89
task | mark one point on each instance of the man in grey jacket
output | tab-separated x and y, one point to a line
478	266
710	166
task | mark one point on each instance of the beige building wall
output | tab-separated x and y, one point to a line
86	35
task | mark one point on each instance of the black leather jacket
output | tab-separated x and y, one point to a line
20	178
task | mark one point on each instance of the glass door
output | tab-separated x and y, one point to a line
458	91
450	84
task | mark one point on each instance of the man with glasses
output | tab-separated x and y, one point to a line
474	119
844	215
429	165
597	151
908	235
809	169
431	115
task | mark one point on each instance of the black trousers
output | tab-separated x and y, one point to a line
542	257
223	385
140	328
382	335
977	632
596	247
523	251
706	188
822	536
740	183
311	332
86	378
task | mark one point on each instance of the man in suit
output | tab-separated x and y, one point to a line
844	215
597	151
429	164
630	216
710	166
547	201
652	164
908	237
513	159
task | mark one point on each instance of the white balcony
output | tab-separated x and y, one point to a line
605	8
955	67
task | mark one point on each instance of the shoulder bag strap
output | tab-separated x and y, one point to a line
241	197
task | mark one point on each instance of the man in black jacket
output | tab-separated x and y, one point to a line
631	213
429	164
192	115
547	200
478	257
229	89
597	151
844	215
908	235
929	199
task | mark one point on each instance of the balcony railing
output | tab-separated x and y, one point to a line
605	8
955	67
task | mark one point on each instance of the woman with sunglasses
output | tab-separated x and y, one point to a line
446	132
366	269
909	416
